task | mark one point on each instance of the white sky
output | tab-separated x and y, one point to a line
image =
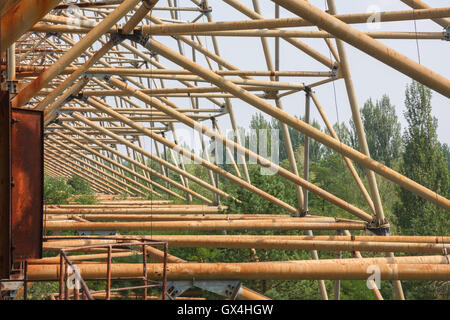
371	77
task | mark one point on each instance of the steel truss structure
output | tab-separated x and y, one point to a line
108	73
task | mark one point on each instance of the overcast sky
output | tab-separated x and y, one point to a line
371	77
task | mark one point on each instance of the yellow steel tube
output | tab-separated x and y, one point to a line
254	271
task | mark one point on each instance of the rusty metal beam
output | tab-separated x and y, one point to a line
253	271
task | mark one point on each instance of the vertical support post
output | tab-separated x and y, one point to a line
306	150
66	278
25	281
11	62
398	289
344	66
61	278
164	286
277	42
5	186
108	275
214	127
337	283
144	263
314	254
345	71
76	291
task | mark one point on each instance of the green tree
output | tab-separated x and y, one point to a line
56	190
382	130
79	185
316	149
260	131
446	152
423	161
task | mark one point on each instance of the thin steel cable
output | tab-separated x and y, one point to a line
417	40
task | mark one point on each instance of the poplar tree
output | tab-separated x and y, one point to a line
423	162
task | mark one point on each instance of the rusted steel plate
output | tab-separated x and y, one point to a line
27	190
5	186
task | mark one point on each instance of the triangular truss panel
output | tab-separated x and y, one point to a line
133	92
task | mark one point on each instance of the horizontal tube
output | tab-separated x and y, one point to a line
203	225
254	271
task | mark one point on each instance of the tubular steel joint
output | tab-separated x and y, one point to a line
117	37
334	71
80	96
308	90
446	34
143	40
102	76
67	112
379	230
54	34
206	10
303	213
148	4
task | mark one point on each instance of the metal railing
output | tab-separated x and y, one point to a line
68	270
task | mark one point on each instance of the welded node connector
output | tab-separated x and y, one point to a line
308	90
334	71
204	8
55	120
80	96
302	213
65	112
149	4
379	230
117	37
143	40
446	34
51	34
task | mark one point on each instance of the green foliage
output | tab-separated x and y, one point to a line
79	185
56	190
253	203
418	155
423	162
42	290
382	130
59	190
316	149
85	199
